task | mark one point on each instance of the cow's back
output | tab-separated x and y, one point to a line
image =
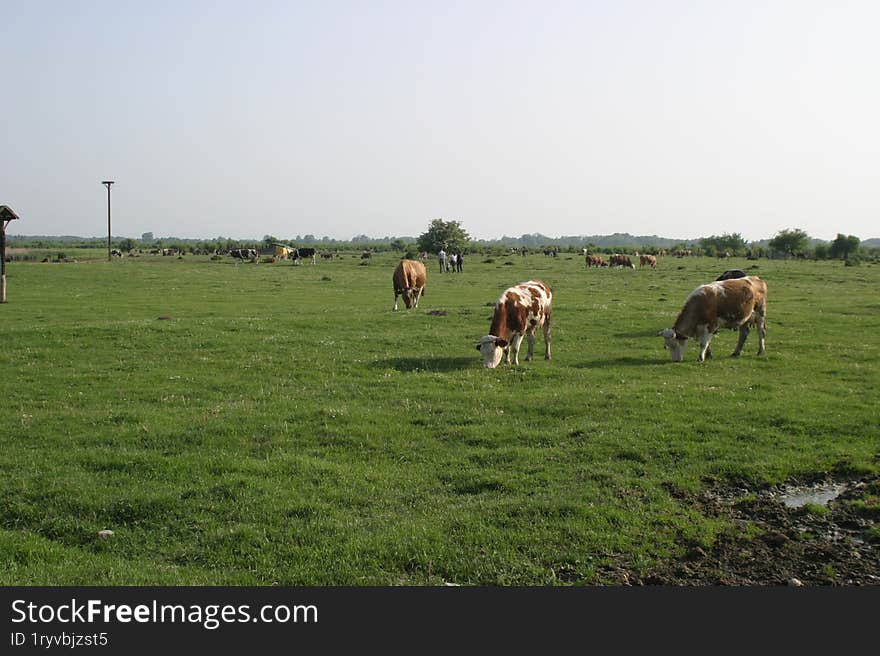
728	303
525	304
409	274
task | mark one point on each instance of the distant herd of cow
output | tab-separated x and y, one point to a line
618	260
734	300
280	253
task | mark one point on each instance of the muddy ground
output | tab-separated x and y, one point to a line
771	543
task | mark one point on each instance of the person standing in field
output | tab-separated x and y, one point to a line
441	256
458	259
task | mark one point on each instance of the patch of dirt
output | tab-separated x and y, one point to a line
771	543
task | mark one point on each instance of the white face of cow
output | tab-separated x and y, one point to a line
491	348
676	346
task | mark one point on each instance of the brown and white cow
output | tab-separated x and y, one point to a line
734	303
622	261
519	312
409	281
650	260
595	260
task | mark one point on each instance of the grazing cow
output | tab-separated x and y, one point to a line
596	261
326	256
621	261
299	253
734	303
244	253
281	252
409	281
650	260
519	312
732	273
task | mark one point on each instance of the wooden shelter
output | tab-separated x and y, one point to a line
7	214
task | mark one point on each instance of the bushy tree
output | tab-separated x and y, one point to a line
844	245
448	235
127	244
790	241
734	243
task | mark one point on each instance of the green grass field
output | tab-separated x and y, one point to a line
286	427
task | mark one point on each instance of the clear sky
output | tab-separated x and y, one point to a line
676	118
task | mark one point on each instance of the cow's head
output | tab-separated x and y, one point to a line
675	342
492	348
409	296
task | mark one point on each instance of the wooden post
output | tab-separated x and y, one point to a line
3	225
6	215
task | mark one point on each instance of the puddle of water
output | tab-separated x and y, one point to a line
820	495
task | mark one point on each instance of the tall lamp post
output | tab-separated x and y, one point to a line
107	184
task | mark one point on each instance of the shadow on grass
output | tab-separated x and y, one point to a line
639	333
427	364
620	362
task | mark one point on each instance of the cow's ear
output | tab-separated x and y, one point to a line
478	347
501	342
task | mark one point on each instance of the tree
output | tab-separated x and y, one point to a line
726	242
398	245
844	246
790	241
448	235
147	237
127	244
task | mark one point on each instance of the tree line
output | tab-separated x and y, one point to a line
452	236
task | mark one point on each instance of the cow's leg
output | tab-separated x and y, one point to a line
743	334
530	334
705	336
514	345
396	294
547	338
762	332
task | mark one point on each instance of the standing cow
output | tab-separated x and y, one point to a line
733	303
519	312
650	260
298	254
620	260
409	281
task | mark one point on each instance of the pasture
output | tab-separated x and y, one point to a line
283	426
